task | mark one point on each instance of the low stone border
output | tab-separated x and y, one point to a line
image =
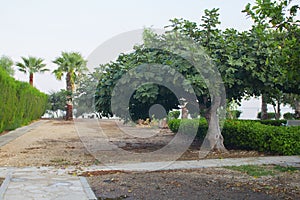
4	185
87	189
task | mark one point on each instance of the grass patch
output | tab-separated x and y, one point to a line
262	170
285	169
253	170
60	161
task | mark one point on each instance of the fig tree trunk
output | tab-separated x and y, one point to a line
278	111
297	109
264	107
214	139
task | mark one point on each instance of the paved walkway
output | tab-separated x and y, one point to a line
43	184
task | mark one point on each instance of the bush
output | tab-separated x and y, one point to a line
188	125
233	114
19	103
249	135
269	122
174	114
271	115
289	116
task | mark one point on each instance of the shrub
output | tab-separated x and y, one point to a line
289	116
269	122
173	114
19	103
189	125
249	135
271	115
233	114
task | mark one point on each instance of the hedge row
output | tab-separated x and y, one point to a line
19	103
249	135
270	122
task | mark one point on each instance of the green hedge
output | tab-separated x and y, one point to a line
270	115
270	122
249	135
19	103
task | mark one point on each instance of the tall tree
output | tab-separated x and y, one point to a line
71	64
277	19
6	63
32	65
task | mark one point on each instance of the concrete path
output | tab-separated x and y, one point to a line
293	161
10	136
43	184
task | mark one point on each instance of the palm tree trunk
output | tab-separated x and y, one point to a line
31	79
69	109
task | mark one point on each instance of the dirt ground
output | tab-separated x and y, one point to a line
201	184
54	143
57	143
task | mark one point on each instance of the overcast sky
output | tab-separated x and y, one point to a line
44	28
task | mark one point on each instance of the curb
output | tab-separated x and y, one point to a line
293	161
4	185
87	189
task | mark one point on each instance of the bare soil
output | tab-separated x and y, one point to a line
208	183
55	143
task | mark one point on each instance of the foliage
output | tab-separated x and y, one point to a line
273	122
57	100
19	103
188	125
269	122
6	63
270	115
250	135
84	96
256	136
32	65
288	116
280	17
72	63
173	114
233	114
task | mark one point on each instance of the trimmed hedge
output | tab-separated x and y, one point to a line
270	122
249	135
20	103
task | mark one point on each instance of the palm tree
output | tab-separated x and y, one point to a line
32	65
6	63
73	65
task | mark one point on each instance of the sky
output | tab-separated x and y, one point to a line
45	28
